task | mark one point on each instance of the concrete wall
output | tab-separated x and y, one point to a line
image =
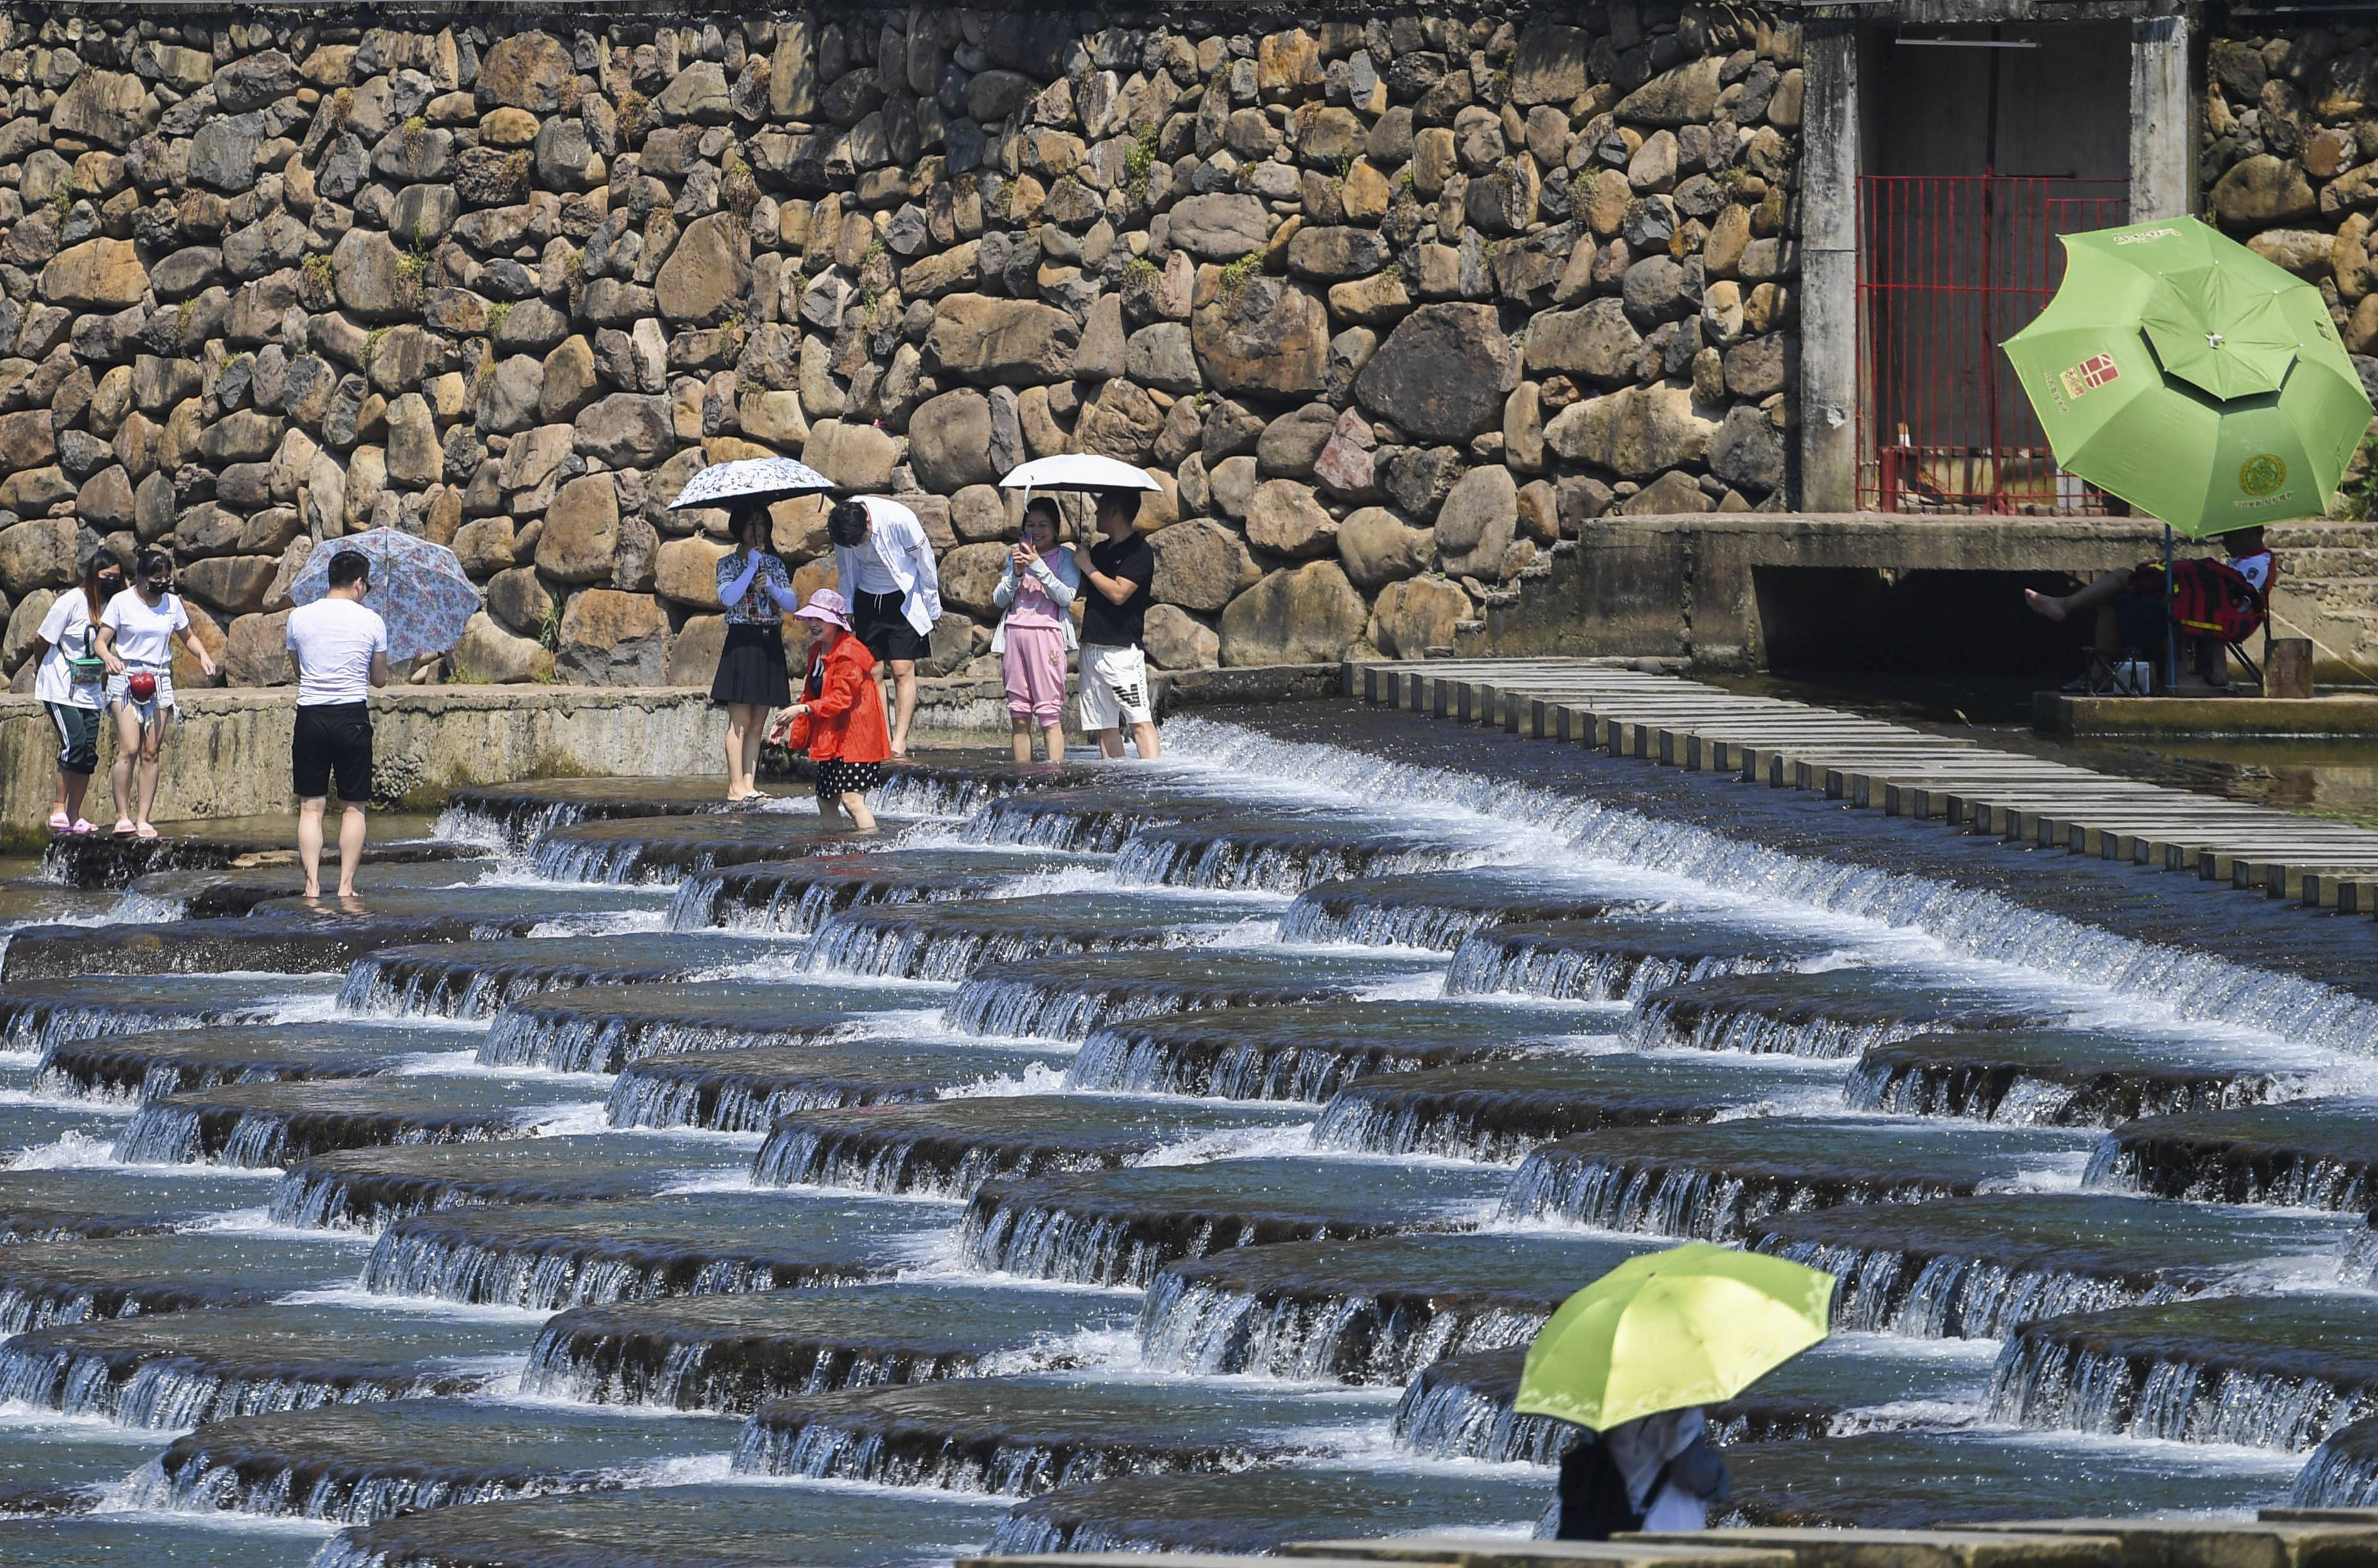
1389	301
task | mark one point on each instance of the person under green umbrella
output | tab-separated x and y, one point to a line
1634	1357
2131	609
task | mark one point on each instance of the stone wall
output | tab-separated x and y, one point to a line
1389	305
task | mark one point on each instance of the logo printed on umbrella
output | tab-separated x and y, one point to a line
2089	375
2260	476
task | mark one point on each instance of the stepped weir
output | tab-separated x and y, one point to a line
1108	1158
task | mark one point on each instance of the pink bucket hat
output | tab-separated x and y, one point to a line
827	606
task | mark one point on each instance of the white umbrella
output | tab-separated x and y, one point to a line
750	478
1078	471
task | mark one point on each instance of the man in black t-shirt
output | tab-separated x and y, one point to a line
1116	570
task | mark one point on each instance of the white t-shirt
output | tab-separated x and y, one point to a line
144	635
334	641
68	631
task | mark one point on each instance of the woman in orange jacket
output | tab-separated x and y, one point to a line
847	738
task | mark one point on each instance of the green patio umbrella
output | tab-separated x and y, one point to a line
2182	373
1694	1326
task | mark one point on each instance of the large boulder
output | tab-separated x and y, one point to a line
627	430
40	554
582	531
527	70
490	654
1377	548
98	275
234	584
1417	614
1636	432
610	638
949	442
255	650
1283	518
1748	451
1307	615
708	270
1123	423
1260	334
2261	191
995	342
1442	374
694	650
856	457
1478	521
1595	341
686	571
1201	565
1176	640
969	574
1219	227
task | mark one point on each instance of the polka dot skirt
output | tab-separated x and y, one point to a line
837	778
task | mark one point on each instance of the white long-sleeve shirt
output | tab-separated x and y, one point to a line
898	543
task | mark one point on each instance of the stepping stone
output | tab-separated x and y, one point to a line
931	784
1831	1013
366	1188
547	1256
36	1014
949	942
1307	1052
949	1148
793	898
736	1352
1439	909
277	1124
1277	855
58	1465
1032	1434
2266	1371
1616	961
158	1538
744	1525
102	860
1461	1407
603	1028
1117	1227
1713	1181
747	1090
360	1464
28	902
47	1132
1066	998
1979	1268
496	909
202	894
1908	1481
1499	1110
474	980
44	1282
2343	1471
1094	820
1364	1311
172	1372
669	849
110	1200
2303	1154
146	1067
517	815
2066	1077
219	946
1264	1509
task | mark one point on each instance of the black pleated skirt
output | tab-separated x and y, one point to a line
751	667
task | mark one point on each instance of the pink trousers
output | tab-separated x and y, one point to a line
1032	665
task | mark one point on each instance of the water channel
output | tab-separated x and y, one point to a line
1167	1157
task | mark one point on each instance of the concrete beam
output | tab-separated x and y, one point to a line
1828	169
2163	150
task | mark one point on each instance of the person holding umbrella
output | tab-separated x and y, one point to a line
1035	590
1634	1357
750	682
338	648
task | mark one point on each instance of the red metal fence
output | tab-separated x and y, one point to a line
1949	268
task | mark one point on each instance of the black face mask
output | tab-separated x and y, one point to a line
110	584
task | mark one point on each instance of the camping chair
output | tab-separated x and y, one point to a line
2238	649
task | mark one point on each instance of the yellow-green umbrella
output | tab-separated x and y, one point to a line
2201	384
1694	1326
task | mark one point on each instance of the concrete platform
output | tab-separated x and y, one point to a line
1913	1548
2338	715
1502	1551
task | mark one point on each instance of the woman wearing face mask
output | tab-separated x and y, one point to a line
1035	590
71	681
135	639
750	679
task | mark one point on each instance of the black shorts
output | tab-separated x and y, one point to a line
877	619
332	739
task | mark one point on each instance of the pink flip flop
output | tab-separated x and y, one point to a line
144	831
58	823
124	828
82	828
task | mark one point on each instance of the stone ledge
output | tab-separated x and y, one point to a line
2343	715
1502	1551
1975	1546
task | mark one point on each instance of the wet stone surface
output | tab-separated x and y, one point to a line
602	1028
2342	1472
36	1014
474	980
323	944
52	1464
550	1256
665	848
1118	1227
222	843
792	897
736	1352
1500	1110
2068	1078
1830	1013
747	1090
1306	1052
151	1065
517	815
72	1282
1617	960
1439	909
1260	1511
1710	1181
1274	856
1066	998
2307	1153
274	1124
366	1188
950	1147
109	1200
358	1464
949	942
198	895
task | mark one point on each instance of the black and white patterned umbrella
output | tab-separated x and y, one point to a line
750	478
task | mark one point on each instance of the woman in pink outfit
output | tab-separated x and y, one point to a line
1035	590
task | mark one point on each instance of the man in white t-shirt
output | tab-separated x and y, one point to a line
339	649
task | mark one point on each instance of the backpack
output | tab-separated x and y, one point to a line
1593	1501
2209	599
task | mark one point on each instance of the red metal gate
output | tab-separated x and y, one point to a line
1949	268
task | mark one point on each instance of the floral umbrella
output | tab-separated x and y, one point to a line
773	478
419	587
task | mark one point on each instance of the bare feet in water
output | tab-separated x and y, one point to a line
2048	604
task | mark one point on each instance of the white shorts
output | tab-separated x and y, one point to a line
119	694
1114	688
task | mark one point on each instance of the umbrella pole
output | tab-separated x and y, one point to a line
2171	632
